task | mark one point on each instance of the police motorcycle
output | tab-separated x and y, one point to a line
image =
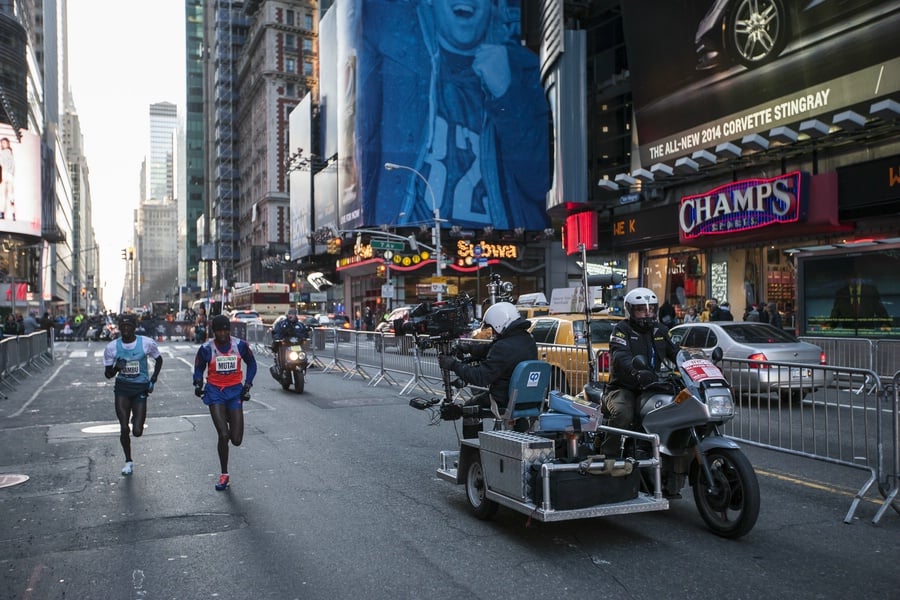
291	362
550	472
685	409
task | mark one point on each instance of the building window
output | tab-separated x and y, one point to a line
307	68
290	41
291	90
307	46
309	22
289	17
290	65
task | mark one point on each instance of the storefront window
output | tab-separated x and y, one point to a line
677	277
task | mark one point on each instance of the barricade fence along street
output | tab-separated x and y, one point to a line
838	414
22	355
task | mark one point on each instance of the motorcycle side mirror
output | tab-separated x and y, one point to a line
639	362
717	354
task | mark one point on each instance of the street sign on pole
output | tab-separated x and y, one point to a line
388	245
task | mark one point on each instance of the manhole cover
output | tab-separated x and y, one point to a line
109	428
11	480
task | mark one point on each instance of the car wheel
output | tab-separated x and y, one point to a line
756	31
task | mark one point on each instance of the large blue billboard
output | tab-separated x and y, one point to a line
444	89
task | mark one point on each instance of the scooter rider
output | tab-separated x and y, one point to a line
287	327
496	361
639	334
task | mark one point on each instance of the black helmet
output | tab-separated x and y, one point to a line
220	322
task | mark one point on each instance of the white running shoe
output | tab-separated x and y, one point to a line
128	468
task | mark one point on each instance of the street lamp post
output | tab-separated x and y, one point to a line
437	220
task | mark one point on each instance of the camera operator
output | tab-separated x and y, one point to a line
512	344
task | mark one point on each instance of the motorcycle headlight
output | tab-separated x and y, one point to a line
294	355
720	405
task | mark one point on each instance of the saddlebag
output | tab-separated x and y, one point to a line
573	489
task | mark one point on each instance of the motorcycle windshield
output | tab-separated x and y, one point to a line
696	368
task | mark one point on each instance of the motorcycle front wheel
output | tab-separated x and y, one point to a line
730	507
299	381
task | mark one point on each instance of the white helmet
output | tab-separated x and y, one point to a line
641	298
500	315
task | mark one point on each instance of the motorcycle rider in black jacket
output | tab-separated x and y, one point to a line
287	327
639	334
496	361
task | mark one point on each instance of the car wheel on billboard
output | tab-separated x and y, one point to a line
756	31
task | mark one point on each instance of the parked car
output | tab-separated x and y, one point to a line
760	343
385	327
329	323
562	341
248	317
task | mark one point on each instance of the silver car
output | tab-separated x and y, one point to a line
748	348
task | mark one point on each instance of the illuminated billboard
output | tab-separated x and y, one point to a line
455	101
709	72
20	182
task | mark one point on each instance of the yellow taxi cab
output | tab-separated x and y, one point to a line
562	342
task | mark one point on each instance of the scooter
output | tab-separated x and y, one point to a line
551	473
291	362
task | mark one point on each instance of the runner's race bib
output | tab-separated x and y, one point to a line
226	364
132	369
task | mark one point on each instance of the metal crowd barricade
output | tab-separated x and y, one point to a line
890	495
832	414
22	355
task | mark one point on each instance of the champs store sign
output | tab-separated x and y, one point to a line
744	206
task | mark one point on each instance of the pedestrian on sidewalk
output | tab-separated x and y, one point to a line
226	388
125	359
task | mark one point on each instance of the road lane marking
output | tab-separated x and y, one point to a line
38	391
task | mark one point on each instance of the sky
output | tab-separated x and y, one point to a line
124	55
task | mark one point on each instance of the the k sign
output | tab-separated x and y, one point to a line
318	281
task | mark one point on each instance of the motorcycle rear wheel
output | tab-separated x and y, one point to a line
476	490
731	511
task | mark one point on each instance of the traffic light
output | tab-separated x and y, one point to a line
131	254
380	270
334	245
124	254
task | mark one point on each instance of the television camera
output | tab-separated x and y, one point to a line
433	324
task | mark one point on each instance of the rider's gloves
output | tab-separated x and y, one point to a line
645	377
120	364
463	348
198	389
447	362
245	392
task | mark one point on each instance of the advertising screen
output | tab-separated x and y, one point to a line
301	180
455	101
20	182
713	71
854	294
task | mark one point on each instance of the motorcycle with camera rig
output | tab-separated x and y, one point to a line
551	472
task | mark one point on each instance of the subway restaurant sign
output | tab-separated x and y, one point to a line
744	206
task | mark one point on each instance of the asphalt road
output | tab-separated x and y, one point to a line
334	495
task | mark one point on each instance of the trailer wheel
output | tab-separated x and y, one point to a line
476	492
